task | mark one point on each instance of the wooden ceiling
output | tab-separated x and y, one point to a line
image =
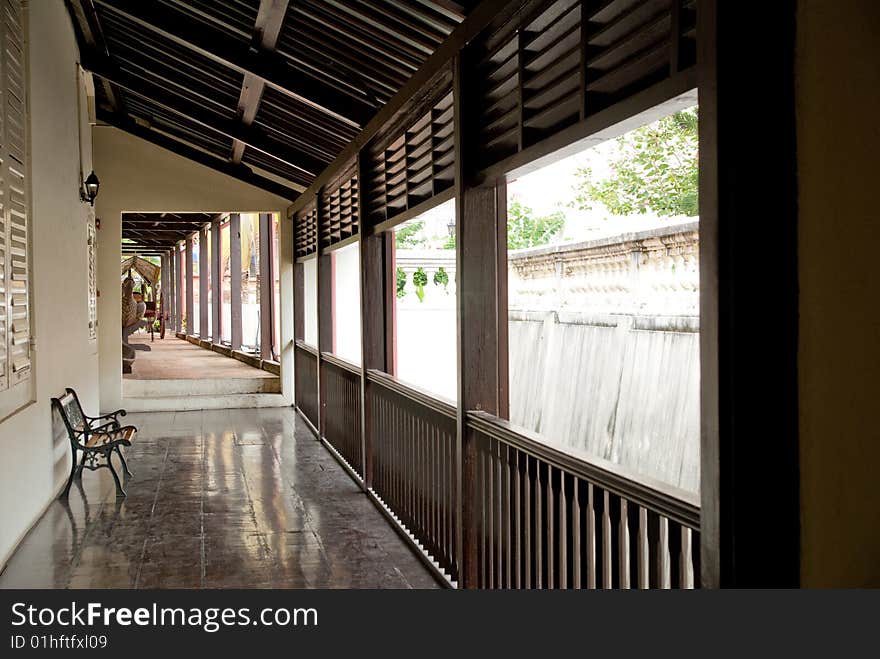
158	232
268	91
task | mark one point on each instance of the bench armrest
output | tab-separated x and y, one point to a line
104	427
111	415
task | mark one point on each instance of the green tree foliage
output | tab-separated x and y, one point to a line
420	280
441	277
401	282
526	230
654	169
406	237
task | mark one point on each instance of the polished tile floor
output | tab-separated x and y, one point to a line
219	499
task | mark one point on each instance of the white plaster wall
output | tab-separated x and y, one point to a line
137	176
310	304
34	465
347	311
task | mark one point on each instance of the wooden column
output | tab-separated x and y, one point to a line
179	271
377	318
216	283
750	509
162	306
204	282
235	279
190	322
172	290
267	287
480	238
168	289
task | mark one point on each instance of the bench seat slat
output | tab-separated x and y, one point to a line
99	439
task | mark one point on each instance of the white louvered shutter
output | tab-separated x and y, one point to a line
14	187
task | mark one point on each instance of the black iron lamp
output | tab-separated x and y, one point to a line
451	227
90	188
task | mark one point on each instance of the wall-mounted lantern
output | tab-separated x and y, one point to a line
89	189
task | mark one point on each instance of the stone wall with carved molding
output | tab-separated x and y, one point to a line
645	273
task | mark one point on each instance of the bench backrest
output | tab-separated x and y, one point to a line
71	413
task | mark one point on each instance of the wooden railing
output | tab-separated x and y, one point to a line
306	381
414	458
341	382
544	517
530	513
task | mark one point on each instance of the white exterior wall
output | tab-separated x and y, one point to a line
34	465
347	311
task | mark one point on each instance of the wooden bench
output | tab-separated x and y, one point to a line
96	437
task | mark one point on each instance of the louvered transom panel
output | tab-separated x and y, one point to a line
557	63
497	72
550	52
414	166
339	209
306	235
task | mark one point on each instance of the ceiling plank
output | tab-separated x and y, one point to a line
240	172
233	53
105	68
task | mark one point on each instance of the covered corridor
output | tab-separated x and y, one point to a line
328	126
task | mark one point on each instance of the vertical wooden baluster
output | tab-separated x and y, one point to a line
432	489
613	503
539	524
517	521
552	474
674	539
656	562
595	537
489	503
527	519
506	514
563	532
418	477
576	546
450	481
633	514
695	558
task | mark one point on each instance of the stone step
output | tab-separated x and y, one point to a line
207	387
210	402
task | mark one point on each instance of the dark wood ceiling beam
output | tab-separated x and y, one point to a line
252	136
231	52
270	19
240	172
90	37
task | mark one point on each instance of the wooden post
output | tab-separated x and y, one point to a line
216	283
204	282
167	279
750	505
377	321
235	279
267	287
482	350
178	294
190	321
